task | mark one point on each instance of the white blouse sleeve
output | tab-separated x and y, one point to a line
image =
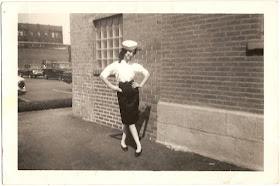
109	70
140	69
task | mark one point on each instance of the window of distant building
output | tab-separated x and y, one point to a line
31	33
39	34
56	35
46	33
52	34
109	36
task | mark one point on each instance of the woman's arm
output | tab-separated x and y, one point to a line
146	77
110	84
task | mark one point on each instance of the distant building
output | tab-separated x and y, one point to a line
38	42
40	33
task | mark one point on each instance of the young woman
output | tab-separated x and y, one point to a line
127	91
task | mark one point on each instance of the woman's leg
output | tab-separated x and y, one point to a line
125	133
135	136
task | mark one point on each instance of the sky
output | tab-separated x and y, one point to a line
49	19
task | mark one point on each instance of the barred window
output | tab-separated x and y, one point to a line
109	36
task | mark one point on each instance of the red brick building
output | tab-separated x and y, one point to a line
38	42
39	33
205	93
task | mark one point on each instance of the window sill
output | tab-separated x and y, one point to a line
255	47
255	44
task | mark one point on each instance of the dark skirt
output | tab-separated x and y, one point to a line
128	102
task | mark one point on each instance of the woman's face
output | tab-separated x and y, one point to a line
128	55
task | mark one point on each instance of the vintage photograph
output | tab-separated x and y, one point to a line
125	93
165	92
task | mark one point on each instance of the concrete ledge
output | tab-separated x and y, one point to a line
193	117
234	137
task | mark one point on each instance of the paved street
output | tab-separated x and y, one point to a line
39	89
56	140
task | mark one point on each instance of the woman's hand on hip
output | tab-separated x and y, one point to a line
135	85
117	88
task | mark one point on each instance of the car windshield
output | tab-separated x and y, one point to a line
62	65
32	66
35	66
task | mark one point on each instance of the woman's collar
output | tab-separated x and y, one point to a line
124	61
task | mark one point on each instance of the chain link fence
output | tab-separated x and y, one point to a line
45	83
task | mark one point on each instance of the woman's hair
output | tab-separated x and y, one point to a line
123	52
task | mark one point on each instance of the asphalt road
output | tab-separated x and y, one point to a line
39	89
56	140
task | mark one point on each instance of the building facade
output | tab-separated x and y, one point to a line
205	94
41	42
40	33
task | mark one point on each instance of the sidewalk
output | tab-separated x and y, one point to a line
56	140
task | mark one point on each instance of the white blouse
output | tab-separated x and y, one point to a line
123	71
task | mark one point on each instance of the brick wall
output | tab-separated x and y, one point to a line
82	66
146	30
92	100
36	55
193	59
204	61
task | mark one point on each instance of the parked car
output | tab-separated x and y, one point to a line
21	86
47	63
56	69
31	71
67	76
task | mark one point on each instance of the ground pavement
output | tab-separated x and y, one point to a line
56	140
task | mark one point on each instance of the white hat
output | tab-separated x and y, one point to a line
129	45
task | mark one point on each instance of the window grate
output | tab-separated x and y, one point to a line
109	36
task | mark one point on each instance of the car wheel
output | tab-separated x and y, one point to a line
20	74
46	76
30	76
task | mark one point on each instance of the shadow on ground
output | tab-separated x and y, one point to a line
141	126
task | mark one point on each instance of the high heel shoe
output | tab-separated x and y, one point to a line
137	154
124	148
